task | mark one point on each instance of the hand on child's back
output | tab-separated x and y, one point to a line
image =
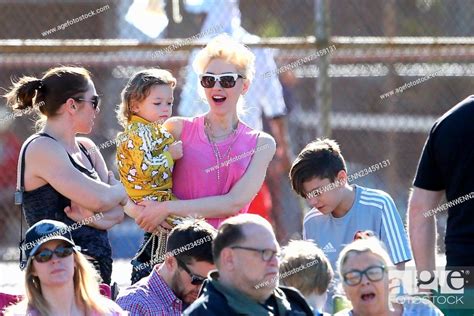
176	150
111	179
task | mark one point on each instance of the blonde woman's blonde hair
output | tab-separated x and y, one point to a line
225	47
138	88
86	290
370	244
305	267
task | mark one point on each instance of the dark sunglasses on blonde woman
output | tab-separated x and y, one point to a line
225	80
46	254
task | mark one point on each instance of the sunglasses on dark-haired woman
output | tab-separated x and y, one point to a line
95	101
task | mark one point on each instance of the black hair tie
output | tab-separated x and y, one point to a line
39	84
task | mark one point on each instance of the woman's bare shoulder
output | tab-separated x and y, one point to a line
87	142
44	147
266	140
175	124
177	121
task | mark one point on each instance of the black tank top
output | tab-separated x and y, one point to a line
47	203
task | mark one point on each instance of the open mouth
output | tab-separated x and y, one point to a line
218	99
367	297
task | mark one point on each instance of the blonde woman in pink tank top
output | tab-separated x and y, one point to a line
224	161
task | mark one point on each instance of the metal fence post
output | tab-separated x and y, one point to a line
323	83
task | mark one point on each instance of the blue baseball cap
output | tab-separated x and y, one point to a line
44	231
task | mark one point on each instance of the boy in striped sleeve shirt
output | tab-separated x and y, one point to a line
340	210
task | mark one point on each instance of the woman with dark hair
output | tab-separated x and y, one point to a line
61	176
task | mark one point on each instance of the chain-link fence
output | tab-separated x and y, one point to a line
385	82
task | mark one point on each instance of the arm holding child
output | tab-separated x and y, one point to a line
109	217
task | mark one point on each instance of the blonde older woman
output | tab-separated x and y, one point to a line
59	280
363	266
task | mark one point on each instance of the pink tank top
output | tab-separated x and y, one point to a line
195	174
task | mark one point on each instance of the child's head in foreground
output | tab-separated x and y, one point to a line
149	95
305	267
319	174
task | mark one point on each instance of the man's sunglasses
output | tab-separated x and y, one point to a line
95	101
225	80
195	279
47	254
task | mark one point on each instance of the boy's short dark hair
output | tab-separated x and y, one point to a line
192	241
321	158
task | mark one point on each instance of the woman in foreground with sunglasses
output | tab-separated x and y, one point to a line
58	279
224	161
364	266
62	176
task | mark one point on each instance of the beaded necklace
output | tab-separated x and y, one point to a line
215	148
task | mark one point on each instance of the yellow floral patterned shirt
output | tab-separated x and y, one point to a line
144	163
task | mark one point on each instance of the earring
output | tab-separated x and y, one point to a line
35	281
